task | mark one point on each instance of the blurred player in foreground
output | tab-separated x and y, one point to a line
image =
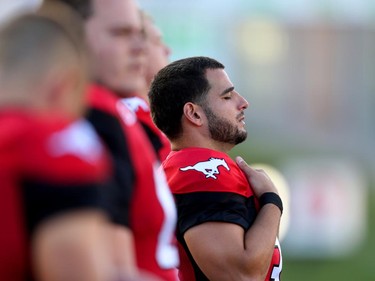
157	56
114	33
53	168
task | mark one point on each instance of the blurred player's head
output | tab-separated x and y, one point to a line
157	52
43	63
196	94
115	38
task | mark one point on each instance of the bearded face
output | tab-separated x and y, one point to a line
222	130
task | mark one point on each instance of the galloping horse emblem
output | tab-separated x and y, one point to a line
208	168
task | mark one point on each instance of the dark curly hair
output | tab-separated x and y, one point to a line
176	84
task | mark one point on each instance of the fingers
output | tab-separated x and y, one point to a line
246	168
240	161
243	165
258	178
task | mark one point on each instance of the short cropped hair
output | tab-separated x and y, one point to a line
83	7
176	84
31	44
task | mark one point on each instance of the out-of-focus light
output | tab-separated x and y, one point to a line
262	41
283	188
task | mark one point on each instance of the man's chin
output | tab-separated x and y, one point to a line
241	137
130	89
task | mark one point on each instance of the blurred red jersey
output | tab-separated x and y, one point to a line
157	138
46	166
152	210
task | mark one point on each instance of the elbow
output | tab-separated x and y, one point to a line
252	275
253	271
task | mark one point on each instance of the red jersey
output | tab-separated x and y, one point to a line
209	186
45	167
152	209
158	139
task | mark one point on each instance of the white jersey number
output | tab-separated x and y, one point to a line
276	271
166	251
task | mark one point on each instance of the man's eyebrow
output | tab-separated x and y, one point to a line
120	27
228	90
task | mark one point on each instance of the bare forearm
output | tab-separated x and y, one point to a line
260	240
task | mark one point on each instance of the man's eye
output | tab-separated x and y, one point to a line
119	33
227	97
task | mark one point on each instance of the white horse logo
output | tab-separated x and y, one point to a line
208	168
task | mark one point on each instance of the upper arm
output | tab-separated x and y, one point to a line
67	247
217	248
215	227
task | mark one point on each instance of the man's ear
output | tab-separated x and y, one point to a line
193	113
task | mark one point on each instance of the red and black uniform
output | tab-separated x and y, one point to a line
158	140
152	210
46	167
209	186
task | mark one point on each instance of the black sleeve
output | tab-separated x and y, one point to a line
44	199
113	135
199	207
154	139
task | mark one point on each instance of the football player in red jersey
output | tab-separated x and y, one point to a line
157	56
228	213
117	54
53	168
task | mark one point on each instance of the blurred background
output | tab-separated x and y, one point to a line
307	69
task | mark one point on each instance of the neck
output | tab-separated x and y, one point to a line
119	93
144	94
186	142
